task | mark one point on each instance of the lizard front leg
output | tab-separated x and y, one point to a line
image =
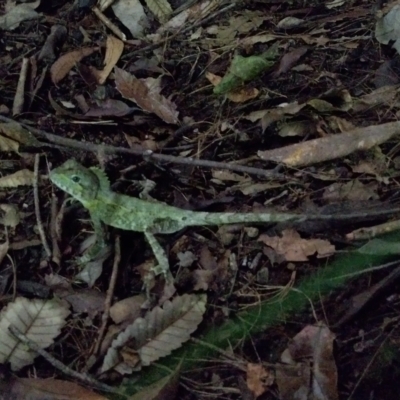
100	243
159	253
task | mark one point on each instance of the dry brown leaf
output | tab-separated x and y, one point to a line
293	248
289	60
66	62
86	300
238	96
146	94
353	190
19	178
331	147
49	389
62	111
128	309
258	379
114	49
109	108
225	175
315	343
243	94
161	331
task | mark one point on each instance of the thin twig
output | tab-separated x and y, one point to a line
109	24
59	365
19	97
150	156
110	292
37	207
56	257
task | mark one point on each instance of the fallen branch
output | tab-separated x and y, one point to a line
148	155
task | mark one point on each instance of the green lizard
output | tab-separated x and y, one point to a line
91	187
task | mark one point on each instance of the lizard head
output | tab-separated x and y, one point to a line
78	181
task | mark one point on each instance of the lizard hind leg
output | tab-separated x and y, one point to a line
159	253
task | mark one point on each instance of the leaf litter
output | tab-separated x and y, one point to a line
289	86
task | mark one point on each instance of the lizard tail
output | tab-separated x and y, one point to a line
205	218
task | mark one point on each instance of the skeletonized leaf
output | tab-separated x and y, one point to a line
160	8
19	178
146	94
161	331
40	320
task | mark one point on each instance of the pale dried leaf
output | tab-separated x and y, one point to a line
114	49
40	320
160	8
19	178
197	11
7	144
290	22
330	147
49	389
387	28
12	134
128	309
289	60
4	250
11	217
131	14
93	269
161	331
296	128
146	94
335	3
225	175
66	62
18	14
243	94
186	258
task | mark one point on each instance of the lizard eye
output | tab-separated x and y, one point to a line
75	178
